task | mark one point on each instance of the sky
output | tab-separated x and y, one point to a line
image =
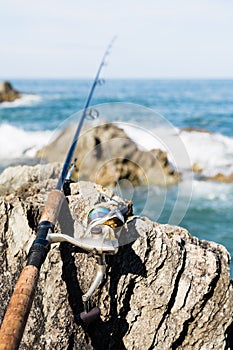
155	38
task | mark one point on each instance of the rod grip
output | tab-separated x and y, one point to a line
53	206
15	319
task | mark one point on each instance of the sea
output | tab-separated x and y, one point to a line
192	120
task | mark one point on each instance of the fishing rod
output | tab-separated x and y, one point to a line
98	238
70	153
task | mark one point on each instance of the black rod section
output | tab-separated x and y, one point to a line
70	153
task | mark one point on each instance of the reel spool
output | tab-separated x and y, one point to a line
113	218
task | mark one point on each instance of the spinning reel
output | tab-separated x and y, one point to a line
98	238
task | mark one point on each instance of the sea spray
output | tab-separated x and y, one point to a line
26	100
16	143
212	153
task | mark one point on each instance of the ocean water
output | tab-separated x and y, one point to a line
155	113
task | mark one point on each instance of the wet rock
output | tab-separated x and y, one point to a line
164	289
7	92
221	178
196	168
191	129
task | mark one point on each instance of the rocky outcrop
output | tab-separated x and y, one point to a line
105	155
164	289
191	129
7	92
221	178
27	179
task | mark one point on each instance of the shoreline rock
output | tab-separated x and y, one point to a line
164	290
105	155
8	93
192	129
219	177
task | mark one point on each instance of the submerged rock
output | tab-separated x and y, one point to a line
221	178
105	155
7	92
164	289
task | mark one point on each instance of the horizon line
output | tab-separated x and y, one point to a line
116	78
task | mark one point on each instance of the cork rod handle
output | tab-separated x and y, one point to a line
15	319
53	206
18	310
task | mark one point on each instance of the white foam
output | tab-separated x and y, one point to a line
144	139
18	143
211	152
165	138
219	193
24	101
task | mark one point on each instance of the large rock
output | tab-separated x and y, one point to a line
7	92
163	290
105	155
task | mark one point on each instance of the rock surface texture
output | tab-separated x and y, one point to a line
163	290
7	92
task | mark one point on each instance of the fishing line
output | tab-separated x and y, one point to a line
73	145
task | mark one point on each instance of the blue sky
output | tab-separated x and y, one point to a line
156	38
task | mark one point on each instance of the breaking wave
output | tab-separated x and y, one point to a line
17	143
211	153
25	100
